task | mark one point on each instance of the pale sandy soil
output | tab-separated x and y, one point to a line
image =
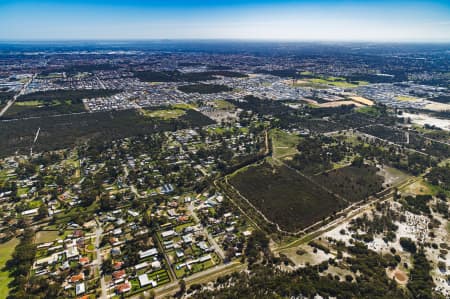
340	103
308	257
437	106
422	119
400	276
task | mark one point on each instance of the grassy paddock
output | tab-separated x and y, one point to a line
6	250
164	114
284	144
45	236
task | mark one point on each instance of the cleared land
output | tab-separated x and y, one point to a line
164	113
6	250
46	236
406	98
337	82
339	103
283	143
224	105
284	196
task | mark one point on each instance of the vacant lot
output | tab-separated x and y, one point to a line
45	236
351	182
163	113
224	105
283	143
284	196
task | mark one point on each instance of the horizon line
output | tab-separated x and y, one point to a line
193	39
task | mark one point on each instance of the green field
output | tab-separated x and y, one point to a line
224	105
46	236
185	106
406	98
369	110
284	196
283	143
30	103
6	250
164	113
338	82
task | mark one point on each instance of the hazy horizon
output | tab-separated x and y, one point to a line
249	20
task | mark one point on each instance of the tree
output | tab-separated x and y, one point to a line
182	285
408	245
107	266
42	212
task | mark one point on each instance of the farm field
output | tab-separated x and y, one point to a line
6	249
284	196
351	182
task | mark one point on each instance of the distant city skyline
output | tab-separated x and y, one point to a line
322	20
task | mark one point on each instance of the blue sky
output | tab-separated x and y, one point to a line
398	21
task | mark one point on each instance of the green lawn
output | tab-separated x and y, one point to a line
369	110
47	236
6	250
30	103
338	82
284	144
405	98
164	114
185	106
22	191
224	105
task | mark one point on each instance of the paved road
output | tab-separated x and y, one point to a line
21	92
100	82
207	275
98	235
211	240
166	257
348	215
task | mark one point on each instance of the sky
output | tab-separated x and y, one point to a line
308	20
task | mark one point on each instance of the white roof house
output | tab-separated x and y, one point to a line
147	253
30	212
144	281
168	233
80	288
